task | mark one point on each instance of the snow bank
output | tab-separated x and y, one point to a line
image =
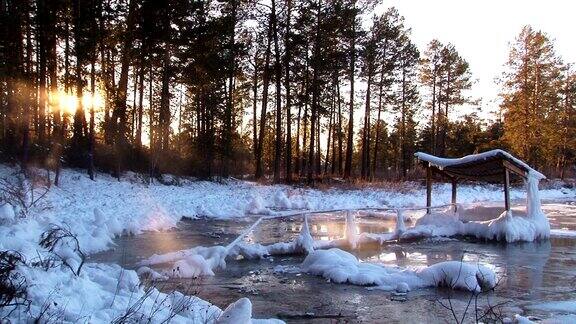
104	293
97	211
342	267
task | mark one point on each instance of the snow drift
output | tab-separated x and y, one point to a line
342	267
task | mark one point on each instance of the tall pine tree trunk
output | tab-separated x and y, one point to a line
266	82
278	79
352	72
288	157
377	138
365	171
255	106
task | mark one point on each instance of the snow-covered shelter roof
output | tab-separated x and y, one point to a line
486	166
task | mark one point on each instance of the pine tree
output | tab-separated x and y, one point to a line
430	77
530	96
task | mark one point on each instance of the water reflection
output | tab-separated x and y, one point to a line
528	271
322	227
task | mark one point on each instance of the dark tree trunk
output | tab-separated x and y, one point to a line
255	105
164	113
350	139
92	140
140	104
378	120
278	77
365	166
315	95
266	83
287	58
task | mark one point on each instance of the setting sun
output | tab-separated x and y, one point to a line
68	103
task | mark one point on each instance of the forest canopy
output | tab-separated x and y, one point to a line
294	89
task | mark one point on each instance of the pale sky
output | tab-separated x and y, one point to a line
481	30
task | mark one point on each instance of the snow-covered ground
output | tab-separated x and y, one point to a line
97	211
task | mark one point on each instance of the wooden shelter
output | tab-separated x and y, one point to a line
494	166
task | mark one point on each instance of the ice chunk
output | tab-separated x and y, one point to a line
193	266
239	312
351	233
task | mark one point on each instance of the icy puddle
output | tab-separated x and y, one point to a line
531	274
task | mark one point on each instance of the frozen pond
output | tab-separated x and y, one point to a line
531	273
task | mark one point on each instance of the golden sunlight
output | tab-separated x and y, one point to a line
68	103
95	101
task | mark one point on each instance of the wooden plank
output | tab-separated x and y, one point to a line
512	167
507	190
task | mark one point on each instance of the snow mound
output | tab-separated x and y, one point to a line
239	312
256	206
460	275
281	200
192	266
342	267
7	212
145	272
506	227
195	262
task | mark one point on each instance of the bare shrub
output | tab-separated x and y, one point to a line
22	193
12	284
173	302
64	246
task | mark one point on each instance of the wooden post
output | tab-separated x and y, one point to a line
507	189
428	189
454	182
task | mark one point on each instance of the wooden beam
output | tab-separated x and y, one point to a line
428	188
507	189
512	167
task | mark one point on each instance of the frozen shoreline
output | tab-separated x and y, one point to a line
97	211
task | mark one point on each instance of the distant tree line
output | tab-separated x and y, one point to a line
272	88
